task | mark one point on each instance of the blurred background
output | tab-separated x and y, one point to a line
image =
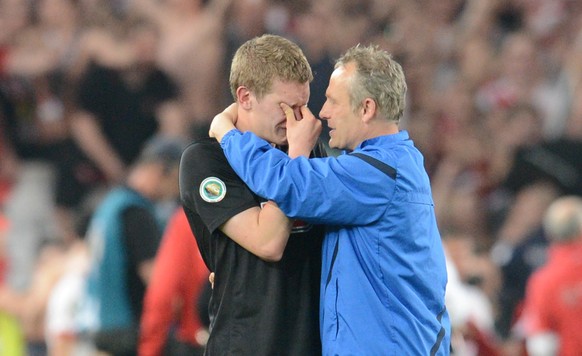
494	104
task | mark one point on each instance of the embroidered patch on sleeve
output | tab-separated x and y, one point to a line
212	190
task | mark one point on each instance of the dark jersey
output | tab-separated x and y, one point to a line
257	307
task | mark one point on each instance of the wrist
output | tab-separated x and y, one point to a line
219	128
295	151
224	138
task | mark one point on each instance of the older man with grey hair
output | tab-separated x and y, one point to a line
553	302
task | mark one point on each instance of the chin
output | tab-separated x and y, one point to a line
280	140
281	143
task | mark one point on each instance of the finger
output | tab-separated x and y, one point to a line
272	203
289	114
231	109
230	113
211	279
233	112
305	112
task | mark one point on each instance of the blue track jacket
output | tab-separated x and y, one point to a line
383	275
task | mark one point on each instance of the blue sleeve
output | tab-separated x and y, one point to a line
332	191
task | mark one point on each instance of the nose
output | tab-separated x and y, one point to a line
322	112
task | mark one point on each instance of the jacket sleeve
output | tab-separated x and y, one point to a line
332	191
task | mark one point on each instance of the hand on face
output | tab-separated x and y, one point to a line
223	122
302	132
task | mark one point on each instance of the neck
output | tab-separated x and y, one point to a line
144	179
243	122
390	129
379	128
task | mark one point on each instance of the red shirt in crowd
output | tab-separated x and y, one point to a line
177	280
554	298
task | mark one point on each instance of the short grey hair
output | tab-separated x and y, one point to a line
379	77
563	219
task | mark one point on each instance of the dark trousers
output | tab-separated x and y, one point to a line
178	348
117	342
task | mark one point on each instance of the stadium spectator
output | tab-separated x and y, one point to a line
553	303
171	322
123	237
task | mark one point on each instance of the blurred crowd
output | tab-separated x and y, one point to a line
494	104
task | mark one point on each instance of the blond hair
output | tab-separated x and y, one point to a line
261	60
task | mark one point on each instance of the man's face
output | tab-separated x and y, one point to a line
267	117
169	188
345	126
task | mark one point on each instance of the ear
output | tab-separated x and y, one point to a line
244	96
368	110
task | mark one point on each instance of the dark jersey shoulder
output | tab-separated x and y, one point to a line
209	185
210	191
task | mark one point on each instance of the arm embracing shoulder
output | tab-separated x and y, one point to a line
320	190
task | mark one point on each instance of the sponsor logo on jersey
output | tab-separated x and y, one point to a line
212	190
300	226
